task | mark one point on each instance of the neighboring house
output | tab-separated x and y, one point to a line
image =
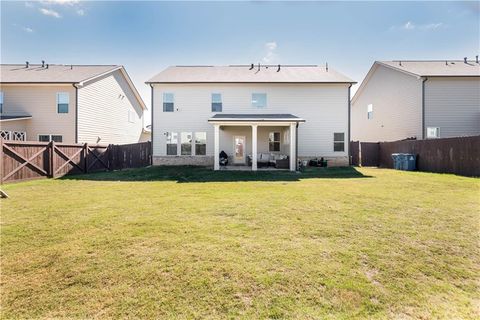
256	113
70	104
417	99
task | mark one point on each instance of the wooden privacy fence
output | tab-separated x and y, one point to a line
449	155
24	160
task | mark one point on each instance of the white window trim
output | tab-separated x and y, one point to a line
266	100
163	101
438	133
194	140
178	145
50	136
339	141
68	104
212	102
1	101
279	140
369	112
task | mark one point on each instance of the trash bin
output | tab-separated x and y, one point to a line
396	161
410	162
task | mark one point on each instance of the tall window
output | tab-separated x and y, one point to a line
186	143
200	143
274	141
63	99
339	141
172	141
1	102
50	137
433	132
370	111
216	102
168	102
259	100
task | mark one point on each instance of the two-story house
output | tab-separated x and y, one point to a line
417	99
254	114
69	104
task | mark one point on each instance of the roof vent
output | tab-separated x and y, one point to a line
465	60
71	67
47	65
278	70
476	58
400	63
326	66
43	63
446	62
251	67
258	67
27	64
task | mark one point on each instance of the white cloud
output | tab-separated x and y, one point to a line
81	12
49	12
433	26
27	29
60	2
409	25
29	5
270	54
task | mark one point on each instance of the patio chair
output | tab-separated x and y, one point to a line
223	158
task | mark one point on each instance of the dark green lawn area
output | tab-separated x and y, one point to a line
193	243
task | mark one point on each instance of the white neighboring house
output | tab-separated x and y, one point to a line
69	104
417	99
255	114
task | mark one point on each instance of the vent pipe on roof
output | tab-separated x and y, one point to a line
446	62
251	67
43	63
71	67
278	70
476	58
26	64
47	65
465	60
259	66
400	63
326	66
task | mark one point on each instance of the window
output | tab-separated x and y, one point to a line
1	102
50	137
186	143
433	132
339	141
131	116
216	102
370	111
63	100
172	141
274	141
168	102
200	143
259	100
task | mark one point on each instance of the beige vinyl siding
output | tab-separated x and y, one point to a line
103	113
397	107
453	105
40	101
323	106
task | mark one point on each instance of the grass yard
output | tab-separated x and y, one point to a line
192	243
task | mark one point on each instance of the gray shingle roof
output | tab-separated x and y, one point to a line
443	68
16	73
244	74
255	117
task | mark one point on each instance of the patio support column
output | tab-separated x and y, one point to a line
293	156
254	147
216	149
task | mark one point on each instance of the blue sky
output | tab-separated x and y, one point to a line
146	37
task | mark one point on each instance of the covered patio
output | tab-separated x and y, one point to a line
256	141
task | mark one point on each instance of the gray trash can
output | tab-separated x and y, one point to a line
396	161
410	162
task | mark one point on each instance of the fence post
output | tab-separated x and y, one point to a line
111	157
2	159
52	159
85	157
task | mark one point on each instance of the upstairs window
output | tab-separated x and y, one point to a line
1	102
168	102
172	141
186	144
200	143
274	141
50	137
433	132
370	111
259	100
339	141
216	102
63	99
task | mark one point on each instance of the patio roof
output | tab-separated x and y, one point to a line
14	117
256	117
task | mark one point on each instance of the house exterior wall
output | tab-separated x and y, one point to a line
40	101
397	107
323	106
453	105
104	106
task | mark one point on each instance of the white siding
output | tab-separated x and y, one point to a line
323	106
40	101
453	105
397	107
103	111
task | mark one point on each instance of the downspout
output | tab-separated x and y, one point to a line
296	147
76	112
151	125
349	125
423	107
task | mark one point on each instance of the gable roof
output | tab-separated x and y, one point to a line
426	68
247	74
60	74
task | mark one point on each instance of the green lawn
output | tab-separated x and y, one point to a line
193	243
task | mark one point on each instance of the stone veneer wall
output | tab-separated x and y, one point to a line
332	161
206	161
